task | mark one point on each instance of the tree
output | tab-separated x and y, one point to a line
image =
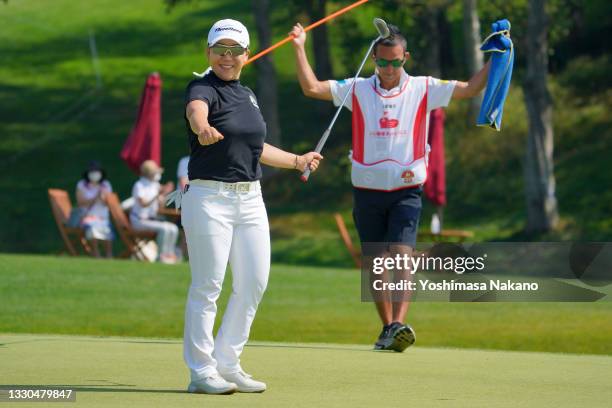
267	88
429	20
323	67
316	10
542	212
473	55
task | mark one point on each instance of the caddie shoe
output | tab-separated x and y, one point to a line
403	337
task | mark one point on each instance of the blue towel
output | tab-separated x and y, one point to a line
499	44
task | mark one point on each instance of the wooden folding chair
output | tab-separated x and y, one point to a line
61	208
132	239
443	236
458	236
346	238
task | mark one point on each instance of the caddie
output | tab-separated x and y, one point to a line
390	117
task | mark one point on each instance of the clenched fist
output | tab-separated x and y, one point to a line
298	34
209	135
310	160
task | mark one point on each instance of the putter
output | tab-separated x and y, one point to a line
383	32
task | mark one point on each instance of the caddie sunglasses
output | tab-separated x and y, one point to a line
396	63
234	50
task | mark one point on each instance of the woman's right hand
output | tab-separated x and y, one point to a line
298	34
209	135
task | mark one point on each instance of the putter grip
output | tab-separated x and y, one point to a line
305	174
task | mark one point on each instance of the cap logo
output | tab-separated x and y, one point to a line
228	28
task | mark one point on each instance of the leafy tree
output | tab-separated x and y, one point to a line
267	87
473	56
542	212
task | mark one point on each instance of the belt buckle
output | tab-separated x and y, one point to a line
243	187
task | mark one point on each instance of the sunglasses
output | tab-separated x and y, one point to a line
396	63
234	50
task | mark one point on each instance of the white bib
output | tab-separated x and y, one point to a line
390	147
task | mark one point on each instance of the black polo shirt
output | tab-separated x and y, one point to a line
233	111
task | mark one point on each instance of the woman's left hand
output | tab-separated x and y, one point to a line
103	195
311	159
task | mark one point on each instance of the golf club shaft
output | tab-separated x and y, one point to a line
306	29
323	139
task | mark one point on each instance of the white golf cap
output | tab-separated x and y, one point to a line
228	29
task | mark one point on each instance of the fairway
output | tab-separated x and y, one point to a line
80	296
135	372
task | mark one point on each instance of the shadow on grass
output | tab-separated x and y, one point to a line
107	340
310	347
175	342
93	388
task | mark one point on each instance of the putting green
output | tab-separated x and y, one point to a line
132	372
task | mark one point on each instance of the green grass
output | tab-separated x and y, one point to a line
41	294
144	372
47	141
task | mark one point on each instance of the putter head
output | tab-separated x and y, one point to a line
381	27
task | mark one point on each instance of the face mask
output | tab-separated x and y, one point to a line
94	176
157	177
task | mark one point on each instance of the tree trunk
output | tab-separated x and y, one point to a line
320	41
447	59
473	55
542	212
320	47
266	89
431	59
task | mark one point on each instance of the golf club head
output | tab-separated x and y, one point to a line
381	27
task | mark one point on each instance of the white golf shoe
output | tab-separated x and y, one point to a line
244	382
212	384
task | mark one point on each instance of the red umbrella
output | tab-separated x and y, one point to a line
435	187
144	141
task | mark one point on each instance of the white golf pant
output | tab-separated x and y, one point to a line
221	226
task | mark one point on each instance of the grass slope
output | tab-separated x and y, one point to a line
123	298
143	373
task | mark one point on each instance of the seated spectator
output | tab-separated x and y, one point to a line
182	172
91	192
148	194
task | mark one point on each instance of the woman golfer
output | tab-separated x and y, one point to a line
224	214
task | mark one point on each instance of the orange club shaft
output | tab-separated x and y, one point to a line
306	29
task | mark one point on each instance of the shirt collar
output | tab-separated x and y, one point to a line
404	77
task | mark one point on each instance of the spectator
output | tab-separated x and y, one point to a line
148	193
182	177
91	193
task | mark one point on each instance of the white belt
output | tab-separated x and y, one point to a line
239	187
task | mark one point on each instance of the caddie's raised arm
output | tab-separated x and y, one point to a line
310	84
474	86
